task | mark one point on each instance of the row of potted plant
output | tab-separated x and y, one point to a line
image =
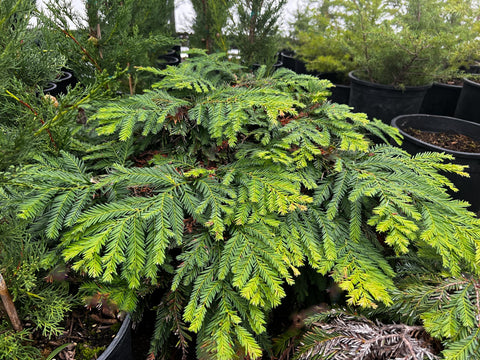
397	56
395	46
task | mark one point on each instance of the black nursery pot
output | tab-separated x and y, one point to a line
340	94
441	99
468	105
468	187
291	62
384	102
121	346
167	60
65	79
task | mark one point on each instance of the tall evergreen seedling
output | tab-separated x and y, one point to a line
28	61
255	31
210	23
221	189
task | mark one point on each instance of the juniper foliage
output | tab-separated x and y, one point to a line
27	64
15	345
34	274
252	178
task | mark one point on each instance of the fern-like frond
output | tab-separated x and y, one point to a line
447	306
146	113
181	78
118	235
215	204
227	111
59	189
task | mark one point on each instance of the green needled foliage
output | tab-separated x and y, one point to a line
400	43
317	39
253	178
255	31
119	34
211	18
27	64
15	345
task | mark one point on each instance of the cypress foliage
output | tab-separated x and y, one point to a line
254	178
27	64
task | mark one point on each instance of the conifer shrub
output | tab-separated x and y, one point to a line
31	266
209	25
316	37
116	34
255	31
400	43
220	189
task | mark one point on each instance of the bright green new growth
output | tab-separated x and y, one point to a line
254	178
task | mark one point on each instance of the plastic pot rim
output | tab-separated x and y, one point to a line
443	85
118	338
458	154
357	80
471	82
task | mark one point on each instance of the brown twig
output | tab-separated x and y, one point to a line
9	306
99	37
92	60
28	106
130	82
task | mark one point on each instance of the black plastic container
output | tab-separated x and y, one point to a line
441	99
468	105
167	60
340	94
291	62
63	81
385	102
121	346
468	187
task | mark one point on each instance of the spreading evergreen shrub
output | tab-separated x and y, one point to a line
220	189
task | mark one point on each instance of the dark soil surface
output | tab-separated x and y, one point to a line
88	332
447	140
454	81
